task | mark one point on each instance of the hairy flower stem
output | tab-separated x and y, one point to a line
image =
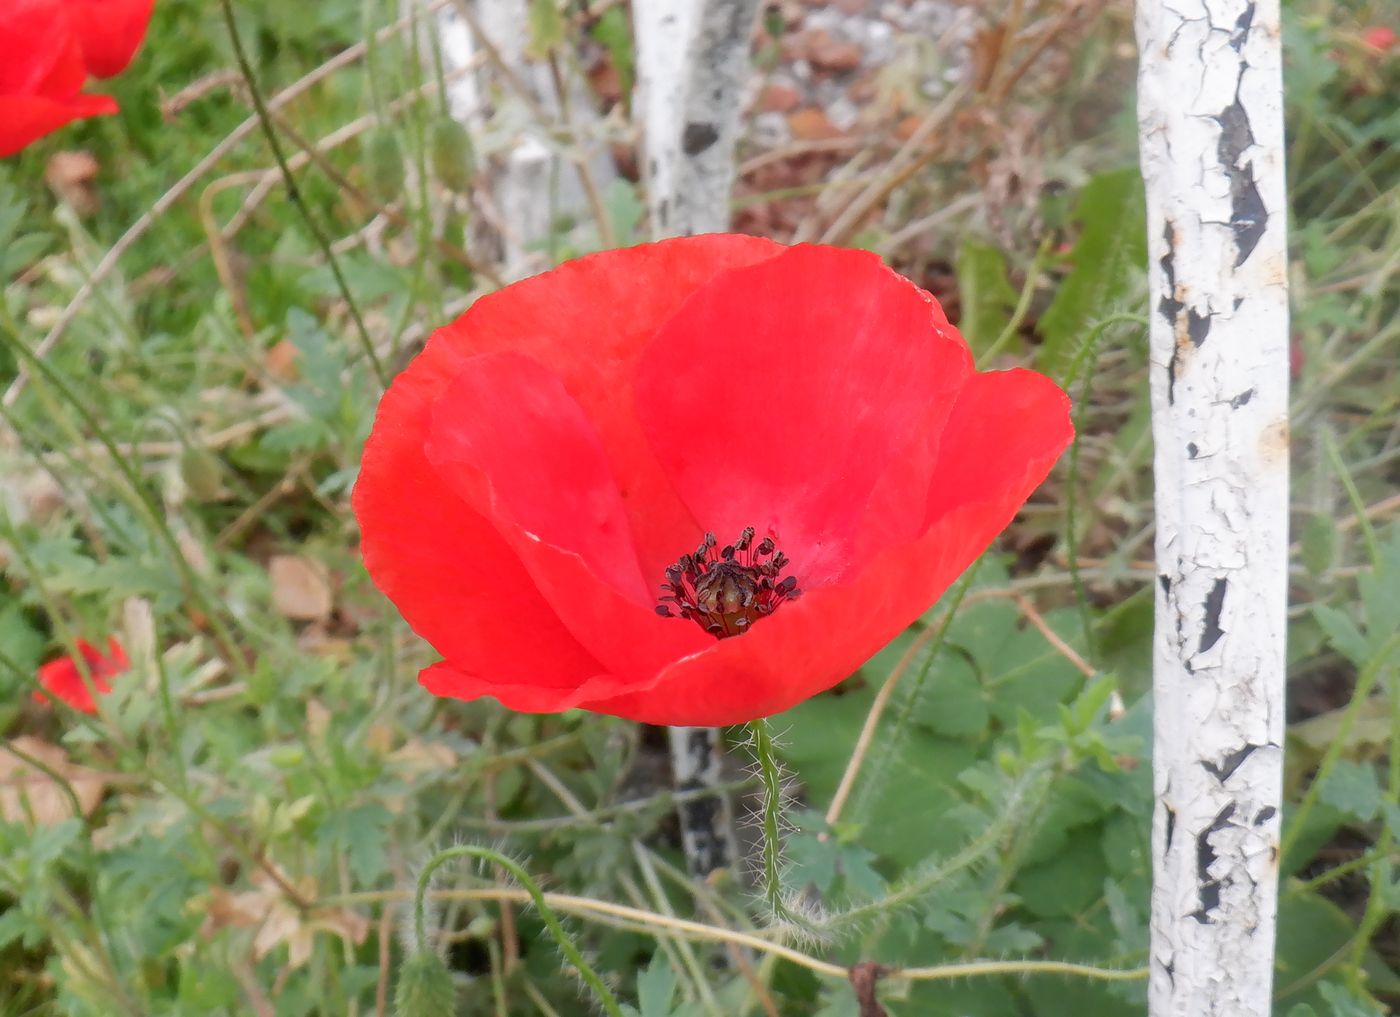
566	945
770	773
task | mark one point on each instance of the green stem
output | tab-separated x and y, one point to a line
1023	304
566	945
294	193
770	773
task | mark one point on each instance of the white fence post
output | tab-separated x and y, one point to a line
1210	112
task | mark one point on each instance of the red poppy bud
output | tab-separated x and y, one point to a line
693	482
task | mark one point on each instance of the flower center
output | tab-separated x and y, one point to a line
726	590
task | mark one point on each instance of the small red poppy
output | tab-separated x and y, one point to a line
1379	38
692	482
49	49
62	679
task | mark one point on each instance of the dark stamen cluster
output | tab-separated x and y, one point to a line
725	590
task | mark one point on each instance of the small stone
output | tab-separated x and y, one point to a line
812	124
833	55
779	98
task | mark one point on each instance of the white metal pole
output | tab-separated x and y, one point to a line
1210	111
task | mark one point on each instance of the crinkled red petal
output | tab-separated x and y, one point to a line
590	320
782	392
1004	434
519	449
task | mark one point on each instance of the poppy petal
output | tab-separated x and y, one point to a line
455	580
590	320
509	421
111	32
62	678
447	679
444	564
784	390
1005	432
25	119
517	447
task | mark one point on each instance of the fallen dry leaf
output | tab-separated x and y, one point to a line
301	587
71	175
277	920
29	795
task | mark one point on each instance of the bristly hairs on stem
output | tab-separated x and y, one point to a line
770	818
805	920
561	938
294	193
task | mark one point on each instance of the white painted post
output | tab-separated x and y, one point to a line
523	175
693	63
1210	112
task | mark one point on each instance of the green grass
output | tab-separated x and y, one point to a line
265	789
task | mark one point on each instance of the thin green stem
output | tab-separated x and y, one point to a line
294	193
1358	506
1087	353
1023	304
561	938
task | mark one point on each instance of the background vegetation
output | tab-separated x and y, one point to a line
239	830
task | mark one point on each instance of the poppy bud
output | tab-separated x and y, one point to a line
450	154
425	988
202	473
383	166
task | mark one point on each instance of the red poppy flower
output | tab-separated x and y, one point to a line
538	490
61	677
50	48
1379	38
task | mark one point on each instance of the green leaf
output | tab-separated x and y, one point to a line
362	834
1353	788
957	705
1319	543
1343	633
615	33
656	987
987	297
546	28
1067	884
1109	259
1311	931
624	210
1344	1004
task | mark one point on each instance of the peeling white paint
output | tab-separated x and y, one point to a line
1210	110
693	64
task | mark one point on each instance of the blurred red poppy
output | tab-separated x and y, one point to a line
49	48
1379	37
62	679
692	482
